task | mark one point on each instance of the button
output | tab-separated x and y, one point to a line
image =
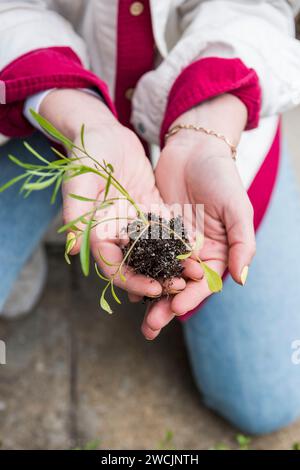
129	93
136	8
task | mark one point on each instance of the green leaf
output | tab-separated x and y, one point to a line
40	185
26	182
108	263
113	292
16	161
70	243
107	186
243	441
41	173
60	163
35	153
220	446
92	445
105	204
103	302
76	171
99	274
85	249
296	446
48	127
213	279
122	277
110	170
56	189
22	190
84	220
73	222
75	228
81	198
167	442
61	155
82	136
110	167
67	258
184	255
12	182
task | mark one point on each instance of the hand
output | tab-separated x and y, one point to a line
203	172
105	138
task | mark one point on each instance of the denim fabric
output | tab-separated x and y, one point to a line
23	221
240	341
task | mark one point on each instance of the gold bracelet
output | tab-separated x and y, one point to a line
178	127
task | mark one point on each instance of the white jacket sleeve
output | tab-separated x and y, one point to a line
259	32
31	24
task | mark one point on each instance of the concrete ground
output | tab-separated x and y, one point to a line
76	376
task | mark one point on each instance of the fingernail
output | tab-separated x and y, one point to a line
196	279
70	241
154	296
179	314
174	291
244	275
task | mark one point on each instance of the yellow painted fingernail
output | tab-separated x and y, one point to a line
154	296
244	274
179	314
70	242
174	291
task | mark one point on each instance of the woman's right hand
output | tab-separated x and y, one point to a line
105	138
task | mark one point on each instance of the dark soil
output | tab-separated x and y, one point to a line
154	253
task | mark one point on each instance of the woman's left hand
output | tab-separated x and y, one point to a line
198	169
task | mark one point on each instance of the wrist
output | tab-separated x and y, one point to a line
200	145
225	114
68	109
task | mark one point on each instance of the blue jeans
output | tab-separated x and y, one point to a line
23	221
240	341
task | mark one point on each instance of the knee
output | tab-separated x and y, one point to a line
257	413
247	392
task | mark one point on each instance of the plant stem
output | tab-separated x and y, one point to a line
116	184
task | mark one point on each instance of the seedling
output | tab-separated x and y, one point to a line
167	443
243	441
168	252
91	445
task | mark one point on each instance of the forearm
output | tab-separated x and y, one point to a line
68	109
224	114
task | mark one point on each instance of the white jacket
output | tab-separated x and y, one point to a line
259	32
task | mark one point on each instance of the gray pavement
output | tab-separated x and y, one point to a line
76	376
